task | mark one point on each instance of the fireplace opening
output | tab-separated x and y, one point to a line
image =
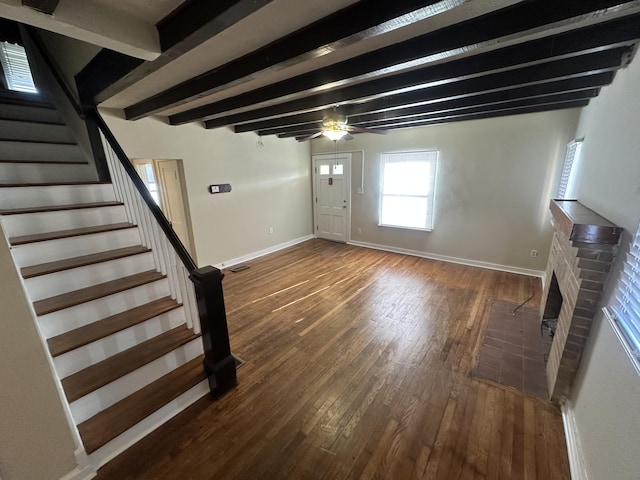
550	316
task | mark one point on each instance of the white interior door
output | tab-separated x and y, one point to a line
173	199
164	179
332	195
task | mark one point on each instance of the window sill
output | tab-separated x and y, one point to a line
401	227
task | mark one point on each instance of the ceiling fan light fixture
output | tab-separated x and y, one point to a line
334	134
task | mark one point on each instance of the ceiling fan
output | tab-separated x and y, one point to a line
335	128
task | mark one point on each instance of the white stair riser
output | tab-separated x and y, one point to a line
44	222
93	403
83	357
42	152
23	112
56	323
136	433
42	173
51	250
46	286
23	197
21	130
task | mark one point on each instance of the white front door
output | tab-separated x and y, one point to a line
332	195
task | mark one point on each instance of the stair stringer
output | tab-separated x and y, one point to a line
50	174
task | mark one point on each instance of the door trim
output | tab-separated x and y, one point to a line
347	177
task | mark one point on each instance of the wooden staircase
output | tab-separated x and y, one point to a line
119	342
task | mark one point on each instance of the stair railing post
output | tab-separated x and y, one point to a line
219	364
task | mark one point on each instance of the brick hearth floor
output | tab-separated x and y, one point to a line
512	352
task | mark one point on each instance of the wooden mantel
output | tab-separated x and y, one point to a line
580	224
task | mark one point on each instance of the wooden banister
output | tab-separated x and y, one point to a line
219	363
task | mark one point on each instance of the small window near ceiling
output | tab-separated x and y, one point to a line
566	188
625	310
408	189
15	66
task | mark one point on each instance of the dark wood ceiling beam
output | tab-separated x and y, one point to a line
560	98
481	115
488	100
426	97
309	128
445	43
44	6
449	73
511	98
497	113
280	124
190	25
357	22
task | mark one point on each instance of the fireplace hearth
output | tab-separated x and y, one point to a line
582	252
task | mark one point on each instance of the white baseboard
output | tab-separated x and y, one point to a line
574	450
84	470
445	258
261	253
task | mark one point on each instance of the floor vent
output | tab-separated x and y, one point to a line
239	268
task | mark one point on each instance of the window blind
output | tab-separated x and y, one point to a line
565	188
626	305
16	68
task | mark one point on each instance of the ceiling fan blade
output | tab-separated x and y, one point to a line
310	137
351	128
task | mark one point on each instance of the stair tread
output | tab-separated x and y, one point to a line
108	326
58	208
26	100
53	184
100	374
37	121
108	424
47	162
74	232
83	295
82	261
43	142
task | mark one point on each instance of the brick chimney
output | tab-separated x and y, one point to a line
582	252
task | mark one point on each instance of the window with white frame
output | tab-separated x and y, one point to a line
15	66
408	189
625	310
566	188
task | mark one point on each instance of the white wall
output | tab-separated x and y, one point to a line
36	441
606	395
271	185
495	178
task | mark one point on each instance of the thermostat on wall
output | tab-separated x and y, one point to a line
220	188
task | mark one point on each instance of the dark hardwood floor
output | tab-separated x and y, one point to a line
359	364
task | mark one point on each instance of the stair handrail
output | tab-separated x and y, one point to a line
159	215
205	300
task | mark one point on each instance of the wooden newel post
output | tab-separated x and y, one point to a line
218	361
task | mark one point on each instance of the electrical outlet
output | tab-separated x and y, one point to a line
360	190
360	231
533	253
270	229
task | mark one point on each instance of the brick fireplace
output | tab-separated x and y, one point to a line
582	252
